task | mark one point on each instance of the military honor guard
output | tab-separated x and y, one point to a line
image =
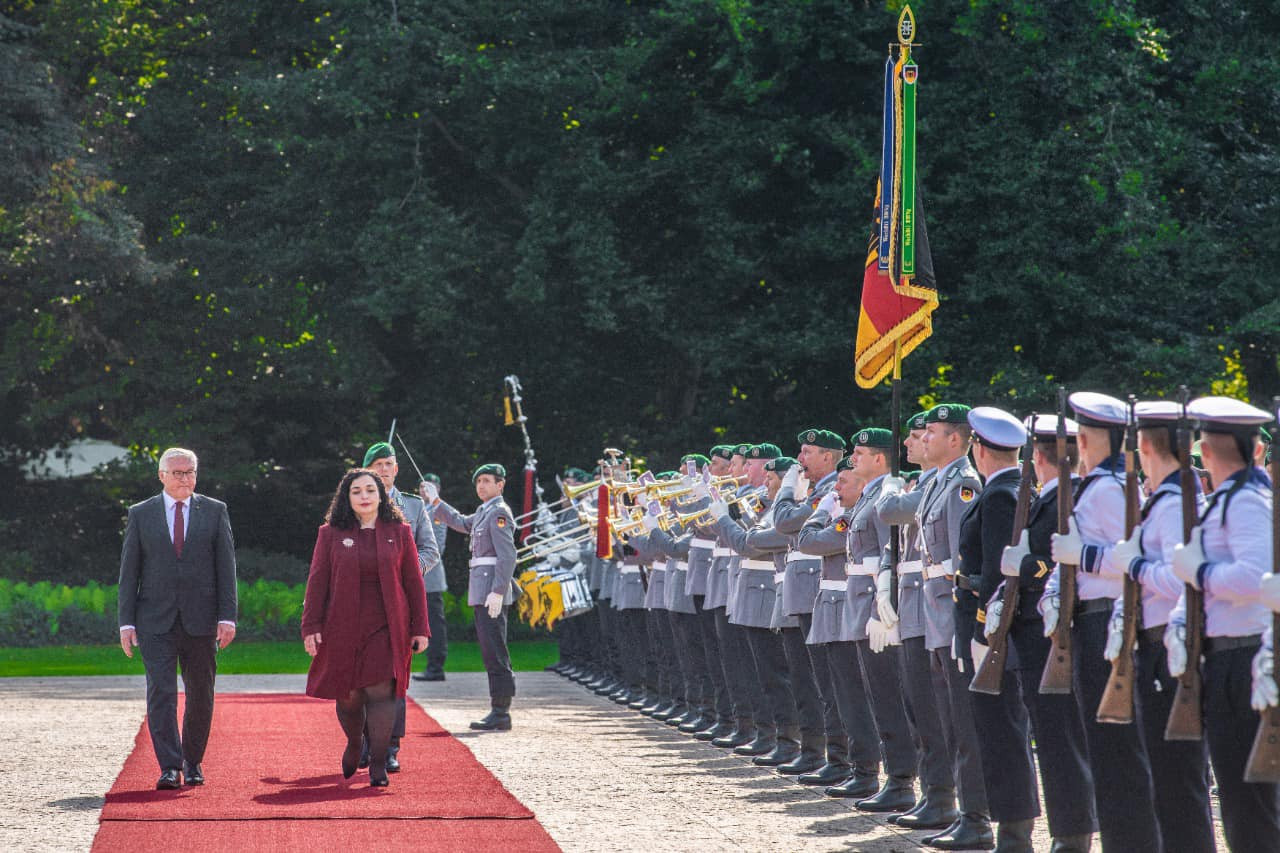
436	583
490	592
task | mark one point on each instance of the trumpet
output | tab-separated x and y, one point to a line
748	500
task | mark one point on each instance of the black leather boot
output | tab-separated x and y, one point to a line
764	743
809	759
939	811
1072	844
971	832
697	724
863	783
786	749
721	728
1014	836
837	769
393	756
743	733
497	720
897	795
667	710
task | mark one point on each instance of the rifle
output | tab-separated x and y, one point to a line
1057	669
1264	758
1185	722
990	676
1117	699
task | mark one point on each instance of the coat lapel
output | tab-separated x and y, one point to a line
197	509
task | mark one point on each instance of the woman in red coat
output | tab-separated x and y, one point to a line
365	613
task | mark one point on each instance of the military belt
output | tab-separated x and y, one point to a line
1094	605
721	552
937	570
483	561
702	543
660	566
964	581
629	570
1212	645
1154	634
758	565
833	586
797	556
868	566
906	567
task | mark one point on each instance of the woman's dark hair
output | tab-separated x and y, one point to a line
341	514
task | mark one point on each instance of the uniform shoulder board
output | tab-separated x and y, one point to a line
409	498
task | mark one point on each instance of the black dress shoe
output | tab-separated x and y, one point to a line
170	780
920	803
971	832
351	757
897	795
714	731
784	753
666	711
938	812
378	777
697	724
393	763
734	739
856	787
495	721
192	774
763	744
827	774
805	762
429	676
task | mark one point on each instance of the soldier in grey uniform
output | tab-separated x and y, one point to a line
820	451
436	584
697	577
956	485
936	808
881	669
490	590
381	459
629	608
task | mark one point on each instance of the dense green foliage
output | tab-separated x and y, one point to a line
45	613
265	230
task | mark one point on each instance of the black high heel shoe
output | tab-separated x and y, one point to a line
350	757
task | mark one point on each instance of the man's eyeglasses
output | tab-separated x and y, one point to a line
182	475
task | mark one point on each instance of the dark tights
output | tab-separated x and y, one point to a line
375	707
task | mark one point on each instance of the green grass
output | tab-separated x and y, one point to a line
242	659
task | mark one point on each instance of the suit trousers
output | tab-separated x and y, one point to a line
1250	811
1058	732
492	635
656	676
687	634
634	645
769	657
931	739
1123	788
722	707
819	657
745	694
951	692
1179	768
803	683
1004	736
849	692
882	674
162	654
438	649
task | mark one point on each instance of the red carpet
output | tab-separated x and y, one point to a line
273	782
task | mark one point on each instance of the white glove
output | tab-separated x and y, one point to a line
1067	547
1048	608
978	652
701	490
884	607
650	522
802	484
719	509
1011	557
1115	636
994	611
880	637
1264	693
1188	558
892	485
493	603
1175	644
1125	552
790	478
828	503
429	491
1269	592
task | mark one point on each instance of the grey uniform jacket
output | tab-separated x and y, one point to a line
628	589
942	505
755	594
655	597
700	548
826	537
424	537
868	536
900	509
157	586
435	581
493	547
677	598
804	572
764	538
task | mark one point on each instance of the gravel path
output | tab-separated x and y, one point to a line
596	775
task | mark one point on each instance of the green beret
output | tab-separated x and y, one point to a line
381	450
696	457
432	478
917	421
492	468
742	449
764	451
668	475
948	413
872	437
576	474
910	476
722	451
780	464
845	464
821	438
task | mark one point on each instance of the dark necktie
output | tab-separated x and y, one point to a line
179	536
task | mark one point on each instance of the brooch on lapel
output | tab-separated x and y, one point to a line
348	542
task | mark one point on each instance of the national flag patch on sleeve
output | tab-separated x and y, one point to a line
966	493
502	521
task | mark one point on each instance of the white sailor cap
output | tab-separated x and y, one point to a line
1157	412
1046	426
1098	410
996	428
1224	414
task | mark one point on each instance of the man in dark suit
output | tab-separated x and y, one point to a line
178	604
